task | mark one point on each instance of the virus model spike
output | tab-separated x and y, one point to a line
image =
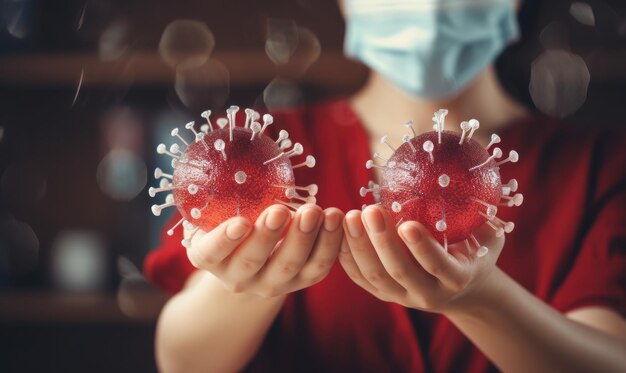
190	127
385	140
495	139
175	133
448	182
409	124
474	125
428	147
407	139
231	112
222	122
206	128
162	149
158	173
439	119
248	113
267	120
282	135
229	171
309	162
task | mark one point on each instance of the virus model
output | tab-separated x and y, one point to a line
228	170
446	181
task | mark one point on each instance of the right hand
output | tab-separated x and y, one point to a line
253	259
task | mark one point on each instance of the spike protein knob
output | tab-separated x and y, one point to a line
446	181
229	171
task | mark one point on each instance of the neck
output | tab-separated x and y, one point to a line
383	107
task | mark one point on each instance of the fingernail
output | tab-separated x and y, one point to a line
309	219
353	222
276	218
410	233
374	220
331	222
237	229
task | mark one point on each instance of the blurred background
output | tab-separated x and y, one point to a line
88	88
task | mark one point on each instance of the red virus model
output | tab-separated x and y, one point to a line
447	181
228	171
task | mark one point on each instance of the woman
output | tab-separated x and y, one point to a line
555	300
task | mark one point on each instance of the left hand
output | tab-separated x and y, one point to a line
408	266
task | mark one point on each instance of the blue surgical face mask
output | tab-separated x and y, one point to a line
430	48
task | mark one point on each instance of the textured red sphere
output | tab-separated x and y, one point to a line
236	182
438	184
229	171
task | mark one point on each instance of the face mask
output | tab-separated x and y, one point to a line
429	48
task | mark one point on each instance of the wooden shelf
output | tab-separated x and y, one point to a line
332	69
48	307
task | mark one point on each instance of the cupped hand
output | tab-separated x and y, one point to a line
406	265
278	254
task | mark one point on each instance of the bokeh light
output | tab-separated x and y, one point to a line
136	297
292	48
308	51
80	19
79	261
115	40
19	248
186	43
79	86
282	93
18	17
583	13
282	40
554	36
122	129
122	174
559	82
203	87
126	267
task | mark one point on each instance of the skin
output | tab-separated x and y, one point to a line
244	272
517	331
217	323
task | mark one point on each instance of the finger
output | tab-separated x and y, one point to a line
431	255
292	253
366	258
187	235
397	261
252	254
352	269
325	249
211	248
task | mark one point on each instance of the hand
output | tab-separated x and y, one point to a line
258	260
408	266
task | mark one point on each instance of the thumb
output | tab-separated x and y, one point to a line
430	254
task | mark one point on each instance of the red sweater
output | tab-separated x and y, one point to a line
568	248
